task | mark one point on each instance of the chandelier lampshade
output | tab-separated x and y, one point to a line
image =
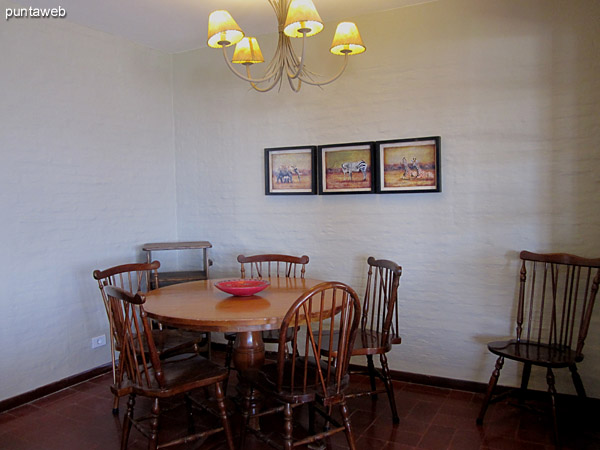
302	19
347	40
247	51
223	31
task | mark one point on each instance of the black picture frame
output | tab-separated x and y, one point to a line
408	165
339	165
291	170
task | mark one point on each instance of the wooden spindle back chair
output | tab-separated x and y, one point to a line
379	324
148	376
379	328
273	266
138	277
133	277
556	297
308	374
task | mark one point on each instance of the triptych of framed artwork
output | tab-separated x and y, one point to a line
384	167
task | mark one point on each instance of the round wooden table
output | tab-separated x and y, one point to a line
198	305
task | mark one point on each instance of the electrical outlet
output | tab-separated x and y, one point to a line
99	341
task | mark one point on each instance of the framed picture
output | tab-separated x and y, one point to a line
409	165
346	168
291	170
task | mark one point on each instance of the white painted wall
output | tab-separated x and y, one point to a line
87	128
513	89
86	177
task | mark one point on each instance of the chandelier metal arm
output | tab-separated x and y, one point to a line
295	88
300	62
266	89
331	80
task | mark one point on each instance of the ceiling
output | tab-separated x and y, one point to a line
179	25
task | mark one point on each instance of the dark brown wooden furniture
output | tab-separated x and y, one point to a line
271	265
134	278
158	380
379	327
199	305
307	375
556	297
168	278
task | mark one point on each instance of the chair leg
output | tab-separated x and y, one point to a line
491	386
288	427
220	396
327	423
155	412
311	418
115	408
127	421
577	381
228	357
552	391
246	404
208	345
372	373
389	387
347	425
190	413
524	381
117	378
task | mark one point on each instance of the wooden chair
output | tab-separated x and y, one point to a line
260	266
378	327
556	297
148	376
136	277
273	266
306	375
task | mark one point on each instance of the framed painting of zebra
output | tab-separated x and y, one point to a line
346	168
291	171
408	165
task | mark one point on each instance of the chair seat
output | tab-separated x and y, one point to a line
265	380
534	353
367	342
272	336
171	342
181	375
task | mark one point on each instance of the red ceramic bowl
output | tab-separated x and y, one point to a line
242	288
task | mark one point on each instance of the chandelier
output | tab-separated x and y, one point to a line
296	19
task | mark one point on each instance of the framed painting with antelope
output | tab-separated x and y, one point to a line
408	165
346	168
291	170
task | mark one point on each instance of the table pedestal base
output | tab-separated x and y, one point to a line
248	350
248	355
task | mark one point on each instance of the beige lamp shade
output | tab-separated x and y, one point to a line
247	51
347	40
302	19
222	30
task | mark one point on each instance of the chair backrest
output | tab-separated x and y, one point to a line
380	305
133	277
330	306
556	298
274	265
138	354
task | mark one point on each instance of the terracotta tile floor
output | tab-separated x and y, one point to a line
431	418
